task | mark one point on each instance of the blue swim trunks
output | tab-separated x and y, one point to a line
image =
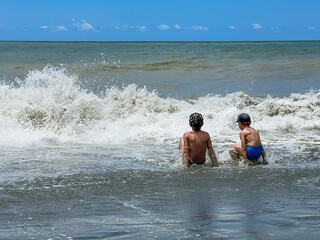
253	153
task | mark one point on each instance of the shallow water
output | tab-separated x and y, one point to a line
224	203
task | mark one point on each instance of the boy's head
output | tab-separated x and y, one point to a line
244	119
196	121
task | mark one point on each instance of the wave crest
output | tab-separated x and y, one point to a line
51	102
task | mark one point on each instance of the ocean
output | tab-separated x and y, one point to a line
90	131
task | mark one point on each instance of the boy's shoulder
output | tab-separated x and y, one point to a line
204	132
186	134
246	131
251	129
196	132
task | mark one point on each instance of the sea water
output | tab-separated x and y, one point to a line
90	131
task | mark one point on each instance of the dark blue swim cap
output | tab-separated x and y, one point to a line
243	117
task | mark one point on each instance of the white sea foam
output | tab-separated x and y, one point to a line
50	105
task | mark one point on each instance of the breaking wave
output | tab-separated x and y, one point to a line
50	104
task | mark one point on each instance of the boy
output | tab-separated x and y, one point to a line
195	143
251	147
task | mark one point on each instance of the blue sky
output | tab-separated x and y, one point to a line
151	20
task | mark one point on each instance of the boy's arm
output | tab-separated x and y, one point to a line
243	147
186	149
212	154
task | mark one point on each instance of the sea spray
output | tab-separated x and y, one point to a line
50	103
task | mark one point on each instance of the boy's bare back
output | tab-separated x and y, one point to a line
196	143
251	136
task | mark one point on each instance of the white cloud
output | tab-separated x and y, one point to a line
84	26
142	28
276	29
163	27
126	27
256	26
312	28
177	26
199	28
232	27
44	27
62	28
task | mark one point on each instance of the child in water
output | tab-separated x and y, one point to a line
195	143
251	147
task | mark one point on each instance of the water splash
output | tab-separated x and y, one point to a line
50	103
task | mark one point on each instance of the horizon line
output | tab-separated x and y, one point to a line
160	41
